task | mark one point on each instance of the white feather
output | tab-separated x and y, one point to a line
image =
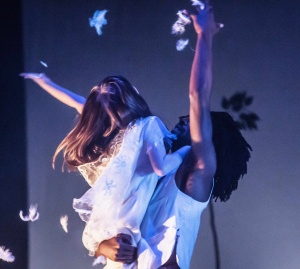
43	63
198	3
178	27
64	222
98	20
33	214
6	255
183	18
181	44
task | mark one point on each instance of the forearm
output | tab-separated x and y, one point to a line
163	164
201	71
200	89
172	161
63	95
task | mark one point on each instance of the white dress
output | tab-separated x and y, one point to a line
171	216
122	184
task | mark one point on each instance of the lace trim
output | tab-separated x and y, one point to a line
93	170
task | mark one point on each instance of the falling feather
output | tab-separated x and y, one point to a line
178	27
181	44
6	255
183	18
98	20
64	222
33	214
43	63
198	3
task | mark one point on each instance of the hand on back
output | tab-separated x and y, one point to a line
118	249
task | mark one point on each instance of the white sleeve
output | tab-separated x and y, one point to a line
154	136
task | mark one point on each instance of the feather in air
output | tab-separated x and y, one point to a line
98	20
43	63
64	223
6	255
178	27
198	3
33	214
181	44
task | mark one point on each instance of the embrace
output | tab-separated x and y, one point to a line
149	186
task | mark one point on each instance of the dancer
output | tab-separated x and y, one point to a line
218	151
172	219
119	148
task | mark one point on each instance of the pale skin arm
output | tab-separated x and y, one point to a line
163	163
195	176
63	95
117	249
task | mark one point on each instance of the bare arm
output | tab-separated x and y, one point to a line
163	163
154	135
199	166
65	96
118	249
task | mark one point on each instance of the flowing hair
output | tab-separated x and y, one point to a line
109	108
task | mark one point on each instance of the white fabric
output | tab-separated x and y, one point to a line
117	201
171	215
93	170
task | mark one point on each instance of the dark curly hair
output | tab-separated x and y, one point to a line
232	153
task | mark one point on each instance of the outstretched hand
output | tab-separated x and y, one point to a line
118	249
36	77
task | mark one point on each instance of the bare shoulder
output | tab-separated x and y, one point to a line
192	180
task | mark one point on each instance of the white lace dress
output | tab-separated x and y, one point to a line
122	184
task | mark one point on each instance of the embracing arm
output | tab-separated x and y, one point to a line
118	249
155	135
201	159
163	163
65	96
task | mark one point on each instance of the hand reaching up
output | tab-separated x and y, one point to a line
204	21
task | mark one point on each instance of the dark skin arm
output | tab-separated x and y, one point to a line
195	175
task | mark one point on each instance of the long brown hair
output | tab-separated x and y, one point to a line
110	107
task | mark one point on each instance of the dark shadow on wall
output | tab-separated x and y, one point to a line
237	106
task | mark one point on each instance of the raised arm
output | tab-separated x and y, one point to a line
65	96
200	165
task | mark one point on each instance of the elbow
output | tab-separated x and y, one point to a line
79	108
